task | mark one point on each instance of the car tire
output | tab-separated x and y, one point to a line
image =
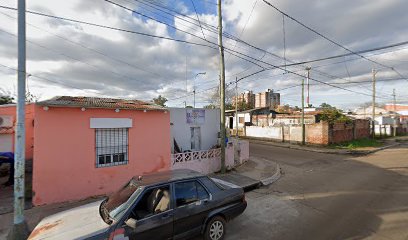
215	229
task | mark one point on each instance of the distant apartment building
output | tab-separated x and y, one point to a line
247	97
268	99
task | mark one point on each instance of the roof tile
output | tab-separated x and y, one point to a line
94	102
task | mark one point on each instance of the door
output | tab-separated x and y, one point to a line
195	138
153	214
192	206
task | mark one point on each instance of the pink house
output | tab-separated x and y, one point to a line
87	146
7	123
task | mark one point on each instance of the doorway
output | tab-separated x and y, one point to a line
195	138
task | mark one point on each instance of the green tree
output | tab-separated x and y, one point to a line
326	106
333	115
6	100
160	100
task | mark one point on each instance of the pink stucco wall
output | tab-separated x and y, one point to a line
29	125
64	163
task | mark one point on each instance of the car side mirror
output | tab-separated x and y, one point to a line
131	222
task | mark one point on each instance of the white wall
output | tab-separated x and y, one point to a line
246	116
180	129
264	132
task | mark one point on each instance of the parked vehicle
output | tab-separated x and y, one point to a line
175	204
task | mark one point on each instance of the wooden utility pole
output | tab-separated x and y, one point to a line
222	88
373	106
303	113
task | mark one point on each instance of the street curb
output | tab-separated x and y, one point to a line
346	152
374	150
275	177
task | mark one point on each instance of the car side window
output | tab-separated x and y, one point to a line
186	192
201	192
189	192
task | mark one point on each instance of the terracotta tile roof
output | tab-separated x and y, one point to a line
6	130
94	102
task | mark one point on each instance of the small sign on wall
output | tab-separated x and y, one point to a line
195	116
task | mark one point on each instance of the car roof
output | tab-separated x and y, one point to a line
166	176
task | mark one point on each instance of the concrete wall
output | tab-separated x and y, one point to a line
65	158
10	110
264	132
180	129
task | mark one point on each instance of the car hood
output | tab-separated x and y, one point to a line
76	223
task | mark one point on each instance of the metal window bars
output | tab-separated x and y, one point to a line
111	146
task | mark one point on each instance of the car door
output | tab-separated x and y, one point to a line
149	225
191	207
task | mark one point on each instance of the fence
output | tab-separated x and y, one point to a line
203	161
321	133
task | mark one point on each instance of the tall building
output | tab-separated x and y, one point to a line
267	99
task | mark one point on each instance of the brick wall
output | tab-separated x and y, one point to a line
321	133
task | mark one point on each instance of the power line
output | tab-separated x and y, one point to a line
233	52
198	19
109	27
88	48
327	38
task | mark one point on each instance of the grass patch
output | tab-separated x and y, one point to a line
358	143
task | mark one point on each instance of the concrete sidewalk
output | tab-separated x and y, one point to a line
388	143
252	174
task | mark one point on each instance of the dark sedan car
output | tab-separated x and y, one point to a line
175	204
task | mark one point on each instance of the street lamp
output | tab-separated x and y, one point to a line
194	87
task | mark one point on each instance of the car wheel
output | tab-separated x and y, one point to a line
215	229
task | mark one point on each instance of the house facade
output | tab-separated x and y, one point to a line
194	129
7	123
85	147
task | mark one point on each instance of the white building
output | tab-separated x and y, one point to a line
194	129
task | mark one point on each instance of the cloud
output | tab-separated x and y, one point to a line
119	64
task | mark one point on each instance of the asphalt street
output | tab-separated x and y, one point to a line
328	196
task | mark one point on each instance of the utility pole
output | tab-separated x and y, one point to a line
20	228
236	107
307	82
373	106
394	95
222	88
303	113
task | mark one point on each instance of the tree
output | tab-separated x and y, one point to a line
326	106
30	97
243	105
332	115
214	98
6	100
283	108
5	97
160	100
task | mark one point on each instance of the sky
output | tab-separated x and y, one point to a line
72	58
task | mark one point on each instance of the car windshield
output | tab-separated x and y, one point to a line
115	205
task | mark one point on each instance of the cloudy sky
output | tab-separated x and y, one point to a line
72	58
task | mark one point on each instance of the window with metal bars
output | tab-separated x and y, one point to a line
111	145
